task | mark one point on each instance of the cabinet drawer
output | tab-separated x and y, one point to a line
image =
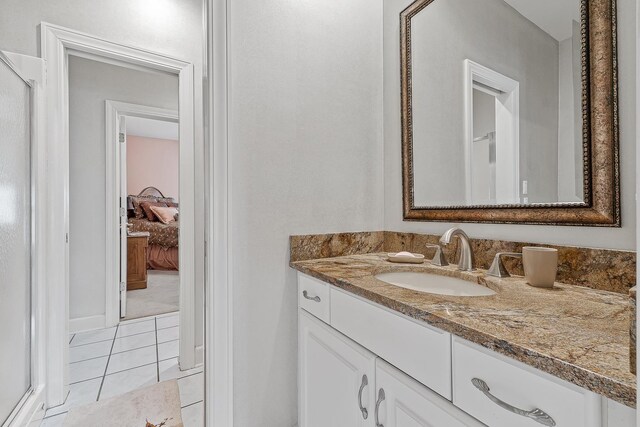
420	351
313	296
516	385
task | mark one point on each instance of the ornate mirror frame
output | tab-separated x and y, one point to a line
601	206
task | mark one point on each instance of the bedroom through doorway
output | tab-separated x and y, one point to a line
151	188
94	350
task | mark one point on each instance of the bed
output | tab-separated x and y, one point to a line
162	253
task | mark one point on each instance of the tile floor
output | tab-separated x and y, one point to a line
136	353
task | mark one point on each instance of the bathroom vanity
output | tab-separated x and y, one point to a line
375	354
505	117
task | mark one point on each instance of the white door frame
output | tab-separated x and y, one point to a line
57	43
507	128
219	402
32	71
114	142
114	109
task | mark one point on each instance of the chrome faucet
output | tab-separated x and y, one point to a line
466	253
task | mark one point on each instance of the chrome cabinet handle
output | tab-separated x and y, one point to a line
381	397
537	415
365	382
306	295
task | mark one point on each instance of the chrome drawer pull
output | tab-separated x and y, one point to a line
538	415
365	413
306	295
381	397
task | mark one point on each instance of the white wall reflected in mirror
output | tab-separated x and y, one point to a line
527	57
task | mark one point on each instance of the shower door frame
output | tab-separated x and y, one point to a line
32	71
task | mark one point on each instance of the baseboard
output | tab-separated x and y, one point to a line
199	355
81	324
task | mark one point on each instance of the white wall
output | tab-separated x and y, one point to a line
305	140
570	178
90	84
153	162
493	34
170	27
622	238
566	129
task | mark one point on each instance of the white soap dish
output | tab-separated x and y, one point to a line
406	257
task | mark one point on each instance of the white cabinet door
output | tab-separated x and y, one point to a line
404	402
336	377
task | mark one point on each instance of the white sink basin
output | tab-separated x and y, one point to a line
434	284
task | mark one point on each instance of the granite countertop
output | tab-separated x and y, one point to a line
572	332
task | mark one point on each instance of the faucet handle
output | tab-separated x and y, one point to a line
438	257
497	268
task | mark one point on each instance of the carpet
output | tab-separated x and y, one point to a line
161	296
156	405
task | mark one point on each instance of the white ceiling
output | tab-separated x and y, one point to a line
150	128
553	16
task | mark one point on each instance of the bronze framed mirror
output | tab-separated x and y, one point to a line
509	112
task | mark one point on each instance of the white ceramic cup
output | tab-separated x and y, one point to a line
540	266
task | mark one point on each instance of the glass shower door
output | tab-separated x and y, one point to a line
15	240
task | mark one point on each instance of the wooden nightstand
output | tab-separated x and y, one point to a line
137	260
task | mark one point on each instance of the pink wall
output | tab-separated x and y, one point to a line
152	162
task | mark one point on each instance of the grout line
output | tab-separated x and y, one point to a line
89	343
152	317
124	336
136	334
168	358
133	335
89	358
137	320
187	376
117	352
169	327
77	382
94	342
171	340
55	415
107	365
169	314
191	404
133	349
88	379
129	369
155	320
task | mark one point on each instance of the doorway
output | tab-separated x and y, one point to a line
492	133
59	46
144	205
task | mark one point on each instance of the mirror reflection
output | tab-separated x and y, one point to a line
496	93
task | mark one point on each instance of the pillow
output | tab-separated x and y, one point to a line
165	215
138	212
146	207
